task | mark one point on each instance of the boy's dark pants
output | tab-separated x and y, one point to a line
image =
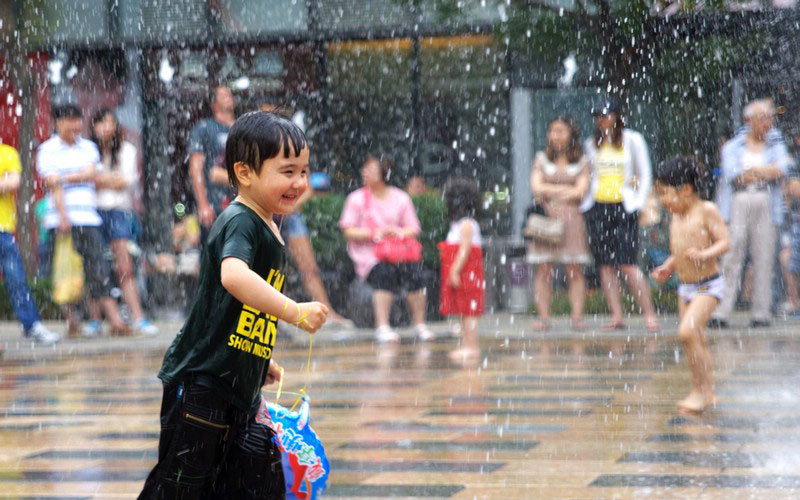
209	449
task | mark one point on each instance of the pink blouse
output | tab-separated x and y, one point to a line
396	209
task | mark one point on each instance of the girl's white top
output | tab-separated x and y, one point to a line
112	199
454	235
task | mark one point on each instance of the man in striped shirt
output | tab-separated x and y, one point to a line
66	162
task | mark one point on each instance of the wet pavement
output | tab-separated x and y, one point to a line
555	415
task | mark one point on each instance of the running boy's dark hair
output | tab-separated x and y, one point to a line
461	198
678	171
258	136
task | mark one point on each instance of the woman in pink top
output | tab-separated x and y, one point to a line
379	211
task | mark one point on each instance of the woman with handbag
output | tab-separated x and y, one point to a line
621	181
559	180
381	227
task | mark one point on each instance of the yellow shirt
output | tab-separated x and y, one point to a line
609	165
9	163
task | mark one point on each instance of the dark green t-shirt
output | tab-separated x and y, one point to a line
225	345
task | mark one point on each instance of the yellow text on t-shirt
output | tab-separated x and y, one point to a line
255	331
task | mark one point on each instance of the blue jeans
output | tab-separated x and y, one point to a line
16	285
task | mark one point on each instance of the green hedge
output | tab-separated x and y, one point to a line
665	302
40	289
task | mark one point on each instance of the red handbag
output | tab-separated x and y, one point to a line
398	250
392	250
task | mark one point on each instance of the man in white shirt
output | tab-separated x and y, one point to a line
66	162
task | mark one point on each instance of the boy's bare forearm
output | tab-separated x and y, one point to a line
249	288
717	250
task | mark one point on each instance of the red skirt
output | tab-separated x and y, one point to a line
468	299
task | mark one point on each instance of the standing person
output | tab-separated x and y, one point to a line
67	164
559	181
10	262
370	214
210	444
754	164
208	177
298	244
462	287
621	180
698	237
116	180
790	254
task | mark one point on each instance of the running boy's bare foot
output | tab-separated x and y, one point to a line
465	355
696	403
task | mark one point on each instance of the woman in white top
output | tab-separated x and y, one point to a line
116	181
621	181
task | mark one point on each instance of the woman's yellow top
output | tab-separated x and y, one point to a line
609	167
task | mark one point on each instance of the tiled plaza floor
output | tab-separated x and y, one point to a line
562	415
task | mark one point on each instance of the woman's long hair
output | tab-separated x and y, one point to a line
616	133
116	137
574	150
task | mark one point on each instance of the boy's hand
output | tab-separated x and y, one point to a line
661	274
311	316
454	278
273	372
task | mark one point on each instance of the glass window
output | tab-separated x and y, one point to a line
465	118
370	106
261	16
350	15
163	19
8	22
65	20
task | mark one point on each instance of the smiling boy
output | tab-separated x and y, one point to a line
698	237
210	446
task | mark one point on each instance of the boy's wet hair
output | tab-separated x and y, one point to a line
461	198
259	136
678	171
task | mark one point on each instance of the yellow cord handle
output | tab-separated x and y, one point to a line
308	373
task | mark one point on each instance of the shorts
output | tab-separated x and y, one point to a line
117	225
215	449
397	278
613	234
713	286
794	245
294	226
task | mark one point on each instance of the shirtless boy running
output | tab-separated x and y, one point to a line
698	237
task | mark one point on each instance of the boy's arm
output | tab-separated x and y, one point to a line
718	231
249	288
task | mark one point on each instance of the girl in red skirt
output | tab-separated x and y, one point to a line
462	281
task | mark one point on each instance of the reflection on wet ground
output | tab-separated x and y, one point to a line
562	416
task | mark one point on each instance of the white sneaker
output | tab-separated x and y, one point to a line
384	334
424	333
145	328
41	335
